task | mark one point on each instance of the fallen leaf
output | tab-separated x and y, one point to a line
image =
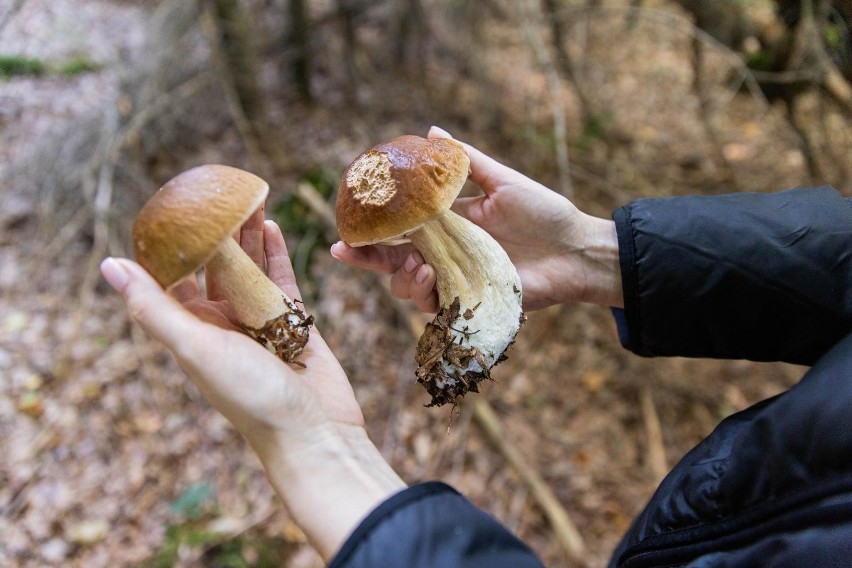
88	531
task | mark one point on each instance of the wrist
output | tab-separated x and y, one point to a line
601	267
330	483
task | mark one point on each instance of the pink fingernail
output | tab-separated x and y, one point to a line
441	131
411	263
115	274
422	274
336	249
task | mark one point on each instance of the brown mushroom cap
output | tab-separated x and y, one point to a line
397	186
185	222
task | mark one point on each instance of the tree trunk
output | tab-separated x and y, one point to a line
298	41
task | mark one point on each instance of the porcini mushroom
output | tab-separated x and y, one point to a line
402	190
189	223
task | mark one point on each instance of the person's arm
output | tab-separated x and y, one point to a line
303	423
308	431
760	276
562	255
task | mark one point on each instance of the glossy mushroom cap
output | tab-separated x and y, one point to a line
184	223
397	186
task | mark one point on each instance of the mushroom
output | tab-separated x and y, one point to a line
401	190
189	223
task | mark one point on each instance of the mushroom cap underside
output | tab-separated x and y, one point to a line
180	228
397	186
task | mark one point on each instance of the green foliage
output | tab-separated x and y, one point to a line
832	35
16	65
77	66
594	129
297	219
294	216
250	550
19	66
246	550
195	508
194	502
177	537
760	60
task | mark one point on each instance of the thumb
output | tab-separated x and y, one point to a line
485	171
157	313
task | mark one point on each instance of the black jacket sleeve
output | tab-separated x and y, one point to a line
760	276
431	525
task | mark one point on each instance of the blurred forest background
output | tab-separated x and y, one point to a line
110	457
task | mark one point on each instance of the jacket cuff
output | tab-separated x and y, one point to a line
627	319
431	525
398	501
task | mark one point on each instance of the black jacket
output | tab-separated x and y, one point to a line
765	277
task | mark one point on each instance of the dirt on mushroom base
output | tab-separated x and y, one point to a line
437	346
286	335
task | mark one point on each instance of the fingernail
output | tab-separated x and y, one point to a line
440	131
115	274
413	261
422	274
336	249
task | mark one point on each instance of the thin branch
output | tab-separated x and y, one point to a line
656	456
532	25
236	61
565	530
671	19
9	12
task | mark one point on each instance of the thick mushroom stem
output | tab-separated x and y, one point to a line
261	308
480	307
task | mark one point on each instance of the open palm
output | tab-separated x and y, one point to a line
256	391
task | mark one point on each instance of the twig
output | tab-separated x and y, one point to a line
566	531
669	19
9	12
104	163
532	31
656	456
306	193
228	29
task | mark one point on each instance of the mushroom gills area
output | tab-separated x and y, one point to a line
480	315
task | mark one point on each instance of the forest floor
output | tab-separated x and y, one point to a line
110	457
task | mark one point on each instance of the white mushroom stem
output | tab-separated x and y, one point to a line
479	292
260	306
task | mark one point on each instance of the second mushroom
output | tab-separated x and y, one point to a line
401	191
188	223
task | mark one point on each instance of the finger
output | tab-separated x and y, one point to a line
422	290
485	171
251	237
278	260
187	291
403	280
157	313
472	208
214	291
378	258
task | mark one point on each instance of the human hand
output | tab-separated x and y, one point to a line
304	423
561	254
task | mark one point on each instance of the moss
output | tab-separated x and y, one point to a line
16	66
77	66
20	66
